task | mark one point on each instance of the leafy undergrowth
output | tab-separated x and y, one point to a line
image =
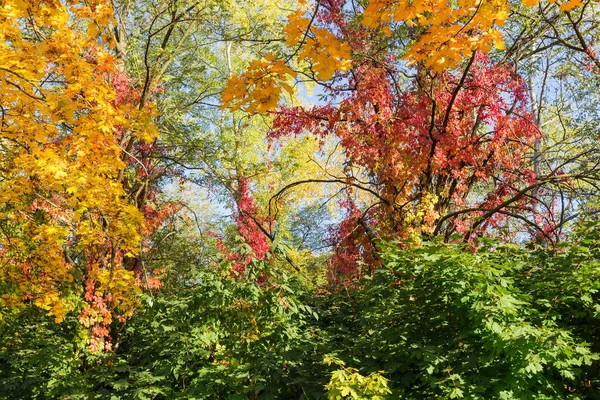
438	321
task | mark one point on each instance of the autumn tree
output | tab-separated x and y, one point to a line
438	136
414	146
68	222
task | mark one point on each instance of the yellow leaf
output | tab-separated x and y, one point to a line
92	30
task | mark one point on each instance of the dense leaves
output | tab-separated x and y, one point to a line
340	199
435	321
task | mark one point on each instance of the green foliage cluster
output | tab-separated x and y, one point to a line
214	337
444	322
438	321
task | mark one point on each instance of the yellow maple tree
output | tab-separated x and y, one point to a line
265	79
64	215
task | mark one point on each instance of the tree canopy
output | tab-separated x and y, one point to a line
366	199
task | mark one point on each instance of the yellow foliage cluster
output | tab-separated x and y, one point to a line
325	52
422	219
60	160
259	88
452	29
564	5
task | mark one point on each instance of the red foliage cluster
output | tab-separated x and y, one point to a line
353	247
125	90
247	220
96	314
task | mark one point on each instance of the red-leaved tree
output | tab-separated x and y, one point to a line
434	153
